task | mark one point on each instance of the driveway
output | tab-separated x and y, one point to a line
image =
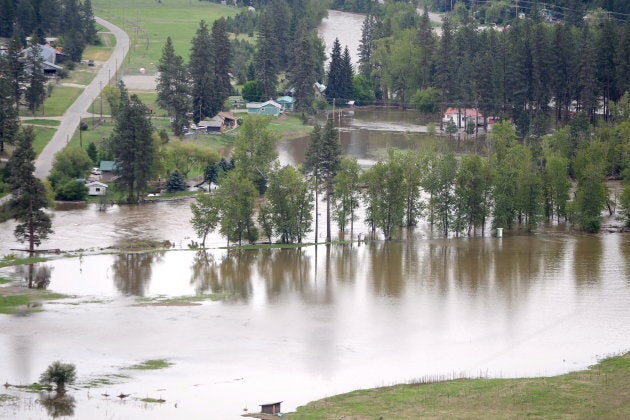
79	108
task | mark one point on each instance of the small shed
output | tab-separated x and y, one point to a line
229	119
96	188
264	108
287	102
271	408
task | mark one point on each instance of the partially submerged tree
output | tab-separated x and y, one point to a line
60	374
28	194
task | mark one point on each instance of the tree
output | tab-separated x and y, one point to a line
187	156
28	193
92	152
9	122
346	193
303	70
205	215
236	195
71	190
173	87
290	204
222	52
200	65
132	145
473	184
335	88
252	91
323	158
35	91
13	69
59	374
265	58
384	196
556	186
366	46
444	172
176	182
254	150
69	164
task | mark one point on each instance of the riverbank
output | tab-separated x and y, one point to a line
599	392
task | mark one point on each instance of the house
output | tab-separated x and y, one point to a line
230	120
270	408
107	166
287	102
49	57
264	108
319	89
215	125
463	116
96	188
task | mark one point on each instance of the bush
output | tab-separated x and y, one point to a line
71	190
59	374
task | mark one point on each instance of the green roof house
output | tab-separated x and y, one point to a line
264	108
287	102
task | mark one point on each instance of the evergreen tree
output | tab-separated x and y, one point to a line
132	145
35	92
92	152
222	52
200	69
366	46
14	69
587	74
87	22
303	69
622	69
265	58
176	182
9	121
73	30
334	88
347	72
173	88
28	193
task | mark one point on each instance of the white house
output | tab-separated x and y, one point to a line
96	188
463	116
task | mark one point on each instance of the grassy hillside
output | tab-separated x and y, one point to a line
150	22
602	391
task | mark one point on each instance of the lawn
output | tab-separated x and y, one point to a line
57	104
39	121
149	23
42	137
599	392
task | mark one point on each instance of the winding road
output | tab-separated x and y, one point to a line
73	115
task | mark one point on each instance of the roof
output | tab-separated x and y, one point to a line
214	122
227	115
263	104
286	99
96	184
273	403
107	165
468	112
319	86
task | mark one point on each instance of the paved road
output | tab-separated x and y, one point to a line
71	118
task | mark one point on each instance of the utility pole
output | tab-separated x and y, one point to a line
100	83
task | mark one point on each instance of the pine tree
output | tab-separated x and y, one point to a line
347	72
35	92
366	46
9	122
222	58
176	182
28	193
303	69
173	88
334	88
265	58
200	66
14	69
132	145
87	22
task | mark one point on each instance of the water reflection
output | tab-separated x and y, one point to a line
58	404
229	274
587	257
385	262
36	276
132	272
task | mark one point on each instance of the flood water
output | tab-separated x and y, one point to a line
297	325
346	27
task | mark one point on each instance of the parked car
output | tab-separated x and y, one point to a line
95	171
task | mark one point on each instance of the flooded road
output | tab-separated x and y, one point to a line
296	325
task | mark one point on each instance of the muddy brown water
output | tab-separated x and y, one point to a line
296	325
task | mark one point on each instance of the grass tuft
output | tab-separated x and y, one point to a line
154	364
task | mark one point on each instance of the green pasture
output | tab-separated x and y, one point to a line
42	137
148	23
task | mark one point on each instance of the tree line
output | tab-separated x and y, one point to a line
512	185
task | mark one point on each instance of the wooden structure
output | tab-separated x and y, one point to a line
271	408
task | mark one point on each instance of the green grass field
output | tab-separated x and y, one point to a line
60	100
39	121
42	137
149	23
602	391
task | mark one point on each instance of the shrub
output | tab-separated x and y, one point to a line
176	182
59	374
